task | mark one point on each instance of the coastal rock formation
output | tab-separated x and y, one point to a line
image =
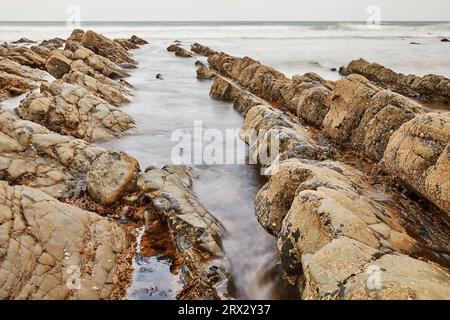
204	72
419	154
34	156
429	87
54	43
51	250
73	110
179	51
34	57
205	267
365	115
202	50
116	93
12	85
105	47
12	67
111	175
333	227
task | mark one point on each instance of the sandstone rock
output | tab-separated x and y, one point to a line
271	136
76	35
113	92
205	73
202	50
429	87
196	232
105	47
418	154
98	63
12	85
139	41
58	65
12	67
223	89
365	115
126	44
45	243
73	110
179	51
31	57
34	156
54	43
111	176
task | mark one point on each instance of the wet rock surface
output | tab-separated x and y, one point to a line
430	87
334	226
196	233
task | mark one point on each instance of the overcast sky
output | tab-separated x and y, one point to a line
224	10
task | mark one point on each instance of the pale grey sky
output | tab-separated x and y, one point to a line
224	10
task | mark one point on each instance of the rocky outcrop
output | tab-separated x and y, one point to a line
73	110
111	176
12	85
133	43
365	115
105	47
430	87
116	93
197	234
179	51
205	73
34	57
51	250
335	228
34	156
86	60
14	68
54	43
418	153
202	50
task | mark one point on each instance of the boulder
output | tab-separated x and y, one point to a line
58	65
12	85
111	176
54	43
418	154
223	89
105	47
51	250
205	73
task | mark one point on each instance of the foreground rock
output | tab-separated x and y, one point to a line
34	57
197	234
429	87
73	110
111	176
45	245
12	85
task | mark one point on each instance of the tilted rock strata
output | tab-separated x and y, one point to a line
33	155
352	111
73	110
430	87
45	245
197	234
105	47
333	230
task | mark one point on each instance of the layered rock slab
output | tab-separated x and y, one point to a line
72	110
50	250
